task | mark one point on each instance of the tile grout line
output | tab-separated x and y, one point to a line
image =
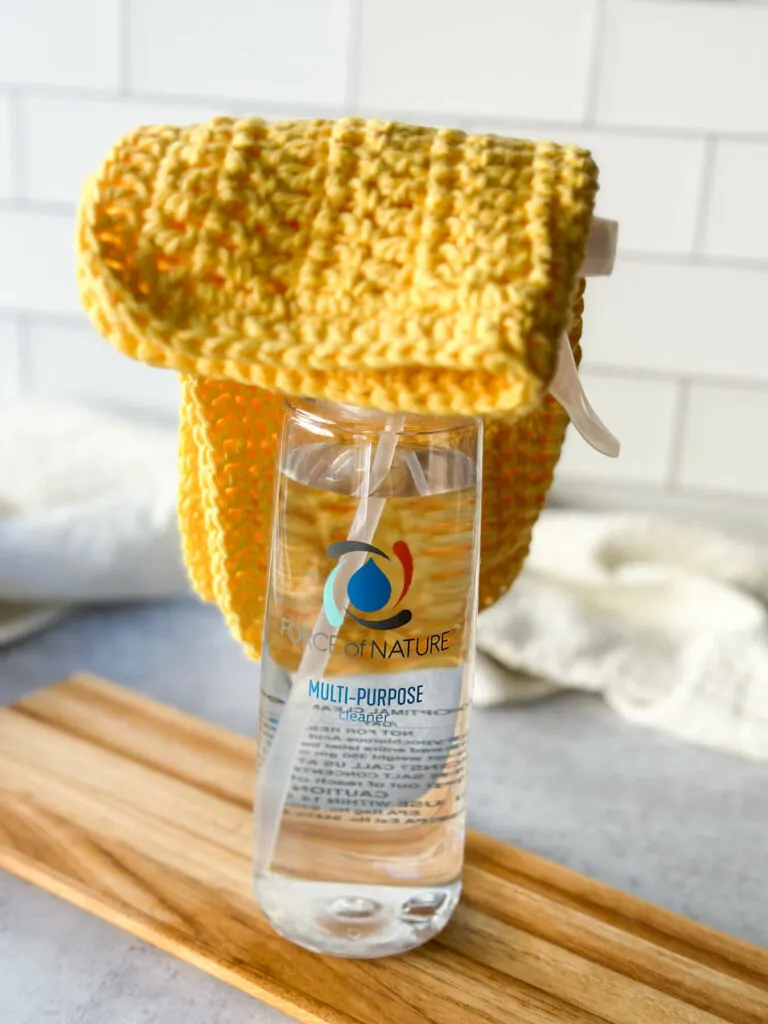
42	90
22	355
353	57
706	185
659	132
43	207
124	45
711	380
682	259
17	145
279	108
677	445
689	492
595	64
46	318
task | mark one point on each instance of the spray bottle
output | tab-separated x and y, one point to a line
367	665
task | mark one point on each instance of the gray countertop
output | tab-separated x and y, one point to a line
684	827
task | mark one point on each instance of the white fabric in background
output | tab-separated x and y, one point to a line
666	620
87	513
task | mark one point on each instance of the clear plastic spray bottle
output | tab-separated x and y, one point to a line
366	678
367	667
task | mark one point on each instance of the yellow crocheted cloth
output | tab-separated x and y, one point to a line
377	264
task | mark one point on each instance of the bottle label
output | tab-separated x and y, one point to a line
390	748
368	588
376	636
375	648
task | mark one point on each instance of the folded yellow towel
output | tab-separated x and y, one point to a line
377	264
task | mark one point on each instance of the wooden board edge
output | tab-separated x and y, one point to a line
592	893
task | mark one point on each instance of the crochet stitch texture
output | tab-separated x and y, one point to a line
378	264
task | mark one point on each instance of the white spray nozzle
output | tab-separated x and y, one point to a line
566	384
601	248
567	388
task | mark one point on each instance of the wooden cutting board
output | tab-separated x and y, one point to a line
141	815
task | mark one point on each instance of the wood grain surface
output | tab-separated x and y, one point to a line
141	815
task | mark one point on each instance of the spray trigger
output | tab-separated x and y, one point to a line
567	388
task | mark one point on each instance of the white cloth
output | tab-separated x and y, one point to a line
87	513
667	621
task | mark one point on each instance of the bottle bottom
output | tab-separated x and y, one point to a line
355	921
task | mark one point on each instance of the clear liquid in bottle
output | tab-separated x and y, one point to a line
368	858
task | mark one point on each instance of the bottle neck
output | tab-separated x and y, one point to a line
342	414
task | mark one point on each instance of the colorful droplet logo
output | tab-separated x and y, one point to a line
369	588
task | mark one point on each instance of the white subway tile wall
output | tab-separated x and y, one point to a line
469	57
642	412
57	354
656	184
80	131
684	64
294	51
724	440
653	183
737	224
60	43
683	319
37	261
670	95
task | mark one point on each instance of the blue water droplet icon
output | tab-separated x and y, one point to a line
368	588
